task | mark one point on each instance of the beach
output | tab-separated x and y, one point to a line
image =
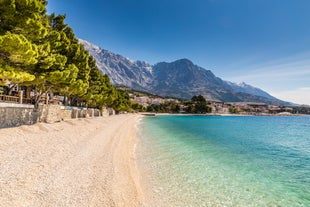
160	161
82	162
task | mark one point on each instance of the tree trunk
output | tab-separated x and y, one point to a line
37	99
11	89
65	101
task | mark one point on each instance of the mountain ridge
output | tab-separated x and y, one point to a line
180	79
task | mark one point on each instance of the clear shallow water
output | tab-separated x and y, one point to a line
226	161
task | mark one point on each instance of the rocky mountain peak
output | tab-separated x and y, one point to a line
180	79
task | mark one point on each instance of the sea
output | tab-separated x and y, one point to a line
225	160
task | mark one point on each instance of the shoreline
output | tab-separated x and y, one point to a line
82	162
216	114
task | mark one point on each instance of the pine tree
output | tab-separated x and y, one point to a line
42	51
17	56
22	23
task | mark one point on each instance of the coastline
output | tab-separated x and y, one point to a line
99	162
83	162
216	114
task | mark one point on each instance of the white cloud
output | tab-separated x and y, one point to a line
299	95
286	78
285	71
294	65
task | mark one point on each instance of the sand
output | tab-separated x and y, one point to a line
83	162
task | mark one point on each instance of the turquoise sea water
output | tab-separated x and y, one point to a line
226	161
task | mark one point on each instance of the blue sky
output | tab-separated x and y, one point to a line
265	43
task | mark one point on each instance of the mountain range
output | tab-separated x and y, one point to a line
179	79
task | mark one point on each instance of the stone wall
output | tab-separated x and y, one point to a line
12	116
108	112
16	115
85	113
65	114
54	113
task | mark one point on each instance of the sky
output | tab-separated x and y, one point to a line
265	43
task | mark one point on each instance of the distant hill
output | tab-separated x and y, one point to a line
179	79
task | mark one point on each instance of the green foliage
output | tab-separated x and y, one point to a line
25	17
198	105
100	92
122	101
9	74
17	50
17	55
21	23
233	110
166	107
42	51
137	107
199	99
